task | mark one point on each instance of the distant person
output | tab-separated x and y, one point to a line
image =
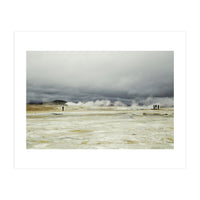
158	107
62	108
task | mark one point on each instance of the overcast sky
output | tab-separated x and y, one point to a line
124	74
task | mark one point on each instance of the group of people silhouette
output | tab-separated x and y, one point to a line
156	107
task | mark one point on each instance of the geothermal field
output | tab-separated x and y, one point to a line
109	99
99	127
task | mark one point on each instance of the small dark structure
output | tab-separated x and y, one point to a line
156	107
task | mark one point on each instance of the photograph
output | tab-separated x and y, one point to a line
100	99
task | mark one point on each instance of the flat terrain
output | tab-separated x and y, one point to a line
99	128
41	108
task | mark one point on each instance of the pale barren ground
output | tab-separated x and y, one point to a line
99	127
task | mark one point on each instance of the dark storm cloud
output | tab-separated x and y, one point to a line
123	74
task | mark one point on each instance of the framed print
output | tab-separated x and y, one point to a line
99	99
